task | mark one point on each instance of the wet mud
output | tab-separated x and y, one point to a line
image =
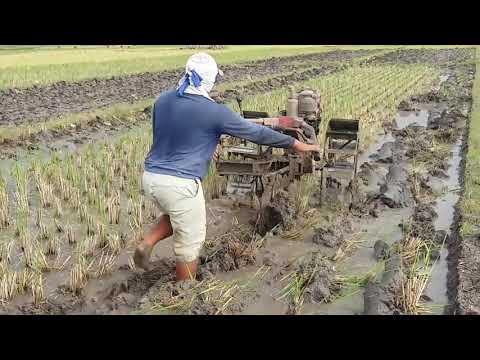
468	270
313	276
433	221
425	56
463	251
126	291
231	251
334	233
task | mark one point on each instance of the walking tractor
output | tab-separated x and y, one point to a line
251	168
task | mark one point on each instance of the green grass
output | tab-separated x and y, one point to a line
471	197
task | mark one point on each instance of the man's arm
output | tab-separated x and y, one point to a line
235	125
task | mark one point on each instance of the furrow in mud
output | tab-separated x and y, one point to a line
436	220
23	105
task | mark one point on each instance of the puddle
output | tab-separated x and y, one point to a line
362	261
403	119
373	148
386	227
437	287
406	118
266	305
445	208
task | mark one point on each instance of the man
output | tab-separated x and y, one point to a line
187	125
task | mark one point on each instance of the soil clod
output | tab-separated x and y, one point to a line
381	250
142	256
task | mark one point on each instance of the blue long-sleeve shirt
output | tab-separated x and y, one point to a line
187	130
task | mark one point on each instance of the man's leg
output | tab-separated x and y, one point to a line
183	201
189	222
186	271
161	230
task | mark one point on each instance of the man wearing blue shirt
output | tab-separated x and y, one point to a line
187	125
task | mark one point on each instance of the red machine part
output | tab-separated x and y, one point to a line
282	122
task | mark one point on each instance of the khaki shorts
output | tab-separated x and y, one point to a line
181	199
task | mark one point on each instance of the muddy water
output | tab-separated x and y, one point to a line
445	208
401	121
267	302
437	287
63	148
374	147
385	228
406	118
361	261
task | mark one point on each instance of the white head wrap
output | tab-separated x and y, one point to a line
206	68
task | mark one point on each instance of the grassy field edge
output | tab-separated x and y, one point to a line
471	197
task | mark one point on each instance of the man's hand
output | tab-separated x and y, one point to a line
301	147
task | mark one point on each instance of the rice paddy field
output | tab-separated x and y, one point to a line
402	237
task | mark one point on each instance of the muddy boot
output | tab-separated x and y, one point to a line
142	256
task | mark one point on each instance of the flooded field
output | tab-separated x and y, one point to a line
382	243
